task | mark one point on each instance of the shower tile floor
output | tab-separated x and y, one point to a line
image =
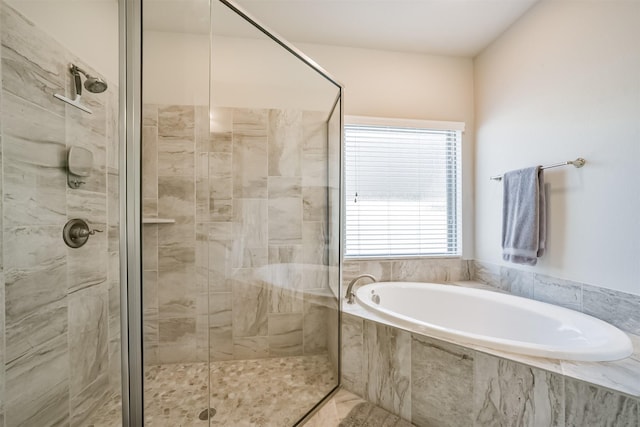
253	393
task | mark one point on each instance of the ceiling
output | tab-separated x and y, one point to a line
445	27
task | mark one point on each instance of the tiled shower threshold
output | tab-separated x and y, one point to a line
273	392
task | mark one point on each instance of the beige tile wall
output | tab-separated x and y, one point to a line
243	271
438	270
60	306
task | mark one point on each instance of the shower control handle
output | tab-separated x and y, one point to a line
79	233
76	232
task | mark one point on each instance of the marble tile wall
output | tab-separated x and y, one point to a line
60	316
593	300
169	250
2	283
436	270
243	271
430	382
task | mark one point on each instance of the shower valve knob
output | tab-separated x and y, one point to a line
76	232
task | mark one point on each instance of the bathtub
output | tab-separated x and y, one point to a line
495	320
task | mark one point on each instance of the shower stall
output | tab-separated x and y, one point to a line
238	251
170	217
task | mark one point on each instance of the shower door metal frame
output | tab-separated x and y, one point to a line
130	44
283	43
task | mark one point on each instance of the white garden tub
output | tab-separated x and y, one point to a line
495	320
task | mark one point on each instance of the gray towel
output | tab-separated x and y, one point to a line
524	223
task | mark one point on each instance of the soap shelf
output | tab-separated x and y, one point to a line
158	221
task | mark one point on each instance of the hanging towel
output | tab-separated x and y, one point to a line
524	223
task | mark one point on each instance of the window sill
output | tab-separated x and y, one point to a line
400	258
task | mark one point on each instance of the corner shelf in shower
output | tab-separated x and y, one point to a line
158	221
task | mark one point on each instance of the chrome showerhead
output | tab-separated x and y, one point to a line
95	84
91	83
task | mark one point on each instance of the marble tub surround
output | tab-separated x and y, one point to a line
495	320
61	305
622	376
242	272
587	298
445	384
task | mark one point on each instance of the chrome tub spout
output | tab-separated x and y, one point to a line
350	294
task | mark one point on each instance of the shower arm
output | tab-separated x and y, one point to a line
75	68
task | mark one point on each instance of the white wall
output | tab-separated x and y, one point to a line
261	74
175	68
89	29
378	83
244	73
402	85
565	82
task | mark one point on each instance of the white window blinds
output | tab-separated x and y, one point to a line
402	191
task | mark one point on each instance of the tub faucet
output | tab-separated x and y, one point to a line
350	294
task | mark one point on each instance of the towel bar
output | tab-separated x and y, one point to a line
578	163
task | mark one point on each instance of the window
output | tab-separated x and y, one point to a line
402	182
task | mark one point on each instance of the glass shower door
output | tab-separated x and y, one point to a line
273	226
175	125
